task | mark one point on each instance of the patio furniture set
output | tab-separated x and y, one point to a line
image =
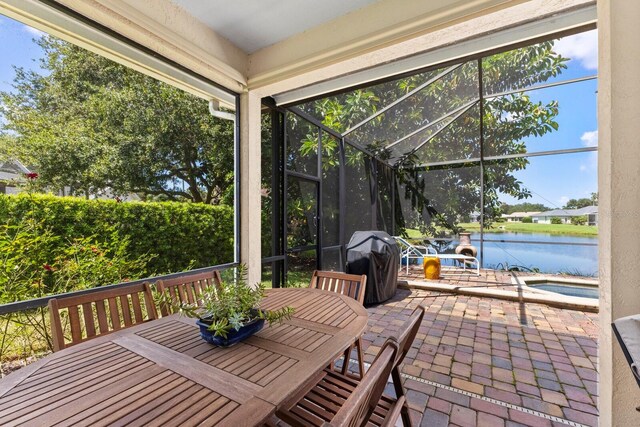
127	361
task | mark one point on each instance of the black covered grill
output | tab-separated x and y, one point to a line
377	255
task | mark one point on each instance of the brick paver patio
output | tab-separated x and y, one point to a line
487	362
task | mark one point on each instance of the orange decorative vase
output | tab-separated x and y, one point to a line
431	268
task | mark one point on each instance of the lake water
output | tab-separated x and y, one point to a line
550	257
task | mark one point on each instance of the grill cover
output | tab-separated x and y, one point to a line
377	255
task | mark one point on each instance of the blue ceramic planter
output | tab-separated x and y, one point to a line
233	337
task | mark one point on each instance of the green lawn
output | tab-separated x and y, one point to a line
566	229
296	279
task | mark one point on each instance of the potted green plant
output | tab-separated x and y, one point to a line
230	312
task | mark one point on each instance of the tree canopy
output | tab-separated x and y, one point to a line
581	203
523	207
96	127
442	123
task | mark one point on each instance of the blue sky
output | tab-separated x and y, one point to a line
16	48
552	179
555	179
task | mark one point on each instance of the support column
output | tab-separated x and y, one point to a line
619	200
250	185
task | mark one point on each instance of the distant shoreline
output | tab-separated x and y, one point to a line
556	229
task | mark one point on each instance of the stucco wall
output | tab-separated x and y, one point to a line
618	181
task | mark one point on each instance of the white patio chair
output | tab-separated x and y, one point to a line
409	251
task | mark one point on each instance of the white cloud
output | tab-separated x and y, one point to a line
563	200
33	31
590	138
583	168
581	47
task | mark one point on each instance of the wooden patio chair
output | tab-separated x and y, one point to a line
351	285
408	333
114	309
186	289
333	386
338	400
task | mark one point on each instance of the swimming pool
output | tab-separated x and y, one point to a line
568	290
570	287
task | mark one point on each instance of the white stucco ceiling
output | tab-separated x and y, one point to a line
254	24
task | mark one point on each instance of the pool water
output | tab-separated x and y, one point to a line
569	290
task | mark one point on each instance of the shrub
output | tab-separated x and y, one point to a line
579	220
556	220
35	262
527	220
180	235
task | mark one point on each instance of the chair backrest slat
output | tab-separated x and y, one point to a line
115	315
351	285
89	323
74	320
408	332
137	311
359	406
103	324
187	289
126	311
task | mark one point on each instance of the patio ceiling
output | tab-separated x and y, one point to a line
252	25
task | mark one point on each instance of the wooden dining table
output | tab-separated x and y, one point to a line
162	373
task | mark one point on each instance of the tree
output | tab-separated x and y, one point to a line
96	127
523	207
438	196
7	144
579	203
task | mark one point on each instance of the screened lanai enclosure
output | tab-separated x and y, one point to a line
502	146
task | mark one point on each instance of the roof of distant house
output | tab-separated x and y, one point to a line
570	212
519	214
14	166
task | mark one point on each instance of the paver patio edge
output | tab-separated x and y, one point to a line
570	303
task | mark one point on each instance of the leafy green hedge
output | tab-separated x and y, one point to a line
182	235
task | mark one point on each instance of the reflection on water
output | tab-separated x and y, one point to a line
550	257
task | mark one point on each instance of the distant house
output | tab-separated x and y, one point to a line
518	216
11	173
565	215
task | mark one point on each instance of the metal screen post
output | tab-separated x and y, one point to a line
373	189
276	191
319	224
482	207
393	202
342	204
285	199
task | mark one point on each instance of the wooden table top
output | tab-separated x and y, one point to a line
163	373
